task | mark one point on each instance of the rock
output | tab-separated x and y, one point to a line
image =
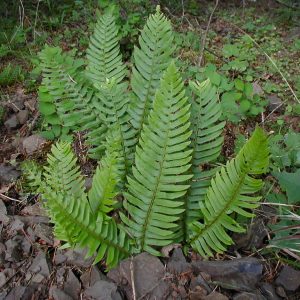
273	102
200	282
148	277
177	263
15	226
2	279
59	258
40	265
253	238
289	279
198	293
33	210
257	89
77	257
32	144
44	232
72	285
31	104
25	245
8	174
60	275
58	294
16	293
239	274
2	254
215	296
91	276
38	278
103	290
268	291
280	292
4	219
22	116
11	123
13	252
16	103
248	296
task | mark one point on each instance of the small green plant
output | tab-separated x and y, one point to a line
160	150
10	75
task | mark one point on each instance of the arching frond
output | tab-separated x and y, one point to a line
62	188
162	159
151	59
206	142
233	189
103	53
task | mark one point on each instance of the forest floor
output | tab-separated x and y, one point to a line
32	265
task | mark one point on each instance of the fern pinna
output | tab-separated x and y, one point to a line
158	151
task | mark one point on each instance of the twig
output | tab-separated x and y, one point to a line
132	279
294	255
286	5
4	197
21	14
13	275
205	33
35	19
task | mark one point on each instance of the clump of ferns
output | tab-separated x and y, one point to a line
152	142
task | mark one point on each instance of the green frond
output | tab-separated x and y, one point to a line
69	209
103	53
63	93
233	189
206	142
108	176
154	198
151	60
112	103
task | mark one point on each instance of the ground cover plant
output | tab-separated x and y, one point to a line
142	149
168	198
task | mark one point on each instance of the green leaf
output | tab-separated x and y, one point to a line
47	108
290	182
239	84
245	105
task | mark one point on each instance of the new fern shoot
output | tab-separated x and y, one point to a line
156	147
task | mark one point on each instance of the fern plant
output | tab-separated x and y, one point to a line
158	168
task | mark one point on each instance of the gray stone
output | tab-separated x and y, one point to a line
274	102
289	279
15	226
44	232
40	265
72	285
90	277
257	89
177	263
34	210
238	274
58	294
59	258
38	278
8	174
103	290
148	277
268	291
32	144
16	293
4	219
2	279
280	291
77	258
11	123
13	251
248	296
22	116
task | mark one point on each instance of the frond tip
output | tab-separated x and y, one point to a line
233	189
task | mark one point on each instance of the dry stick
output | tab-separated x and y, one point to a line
205	33
132	279
4	197
270	59
35	19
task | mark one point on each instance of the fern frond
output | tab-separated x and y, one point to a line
112	105
232	190
206	142
150	62
108	176
103	53
155	190
67	204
